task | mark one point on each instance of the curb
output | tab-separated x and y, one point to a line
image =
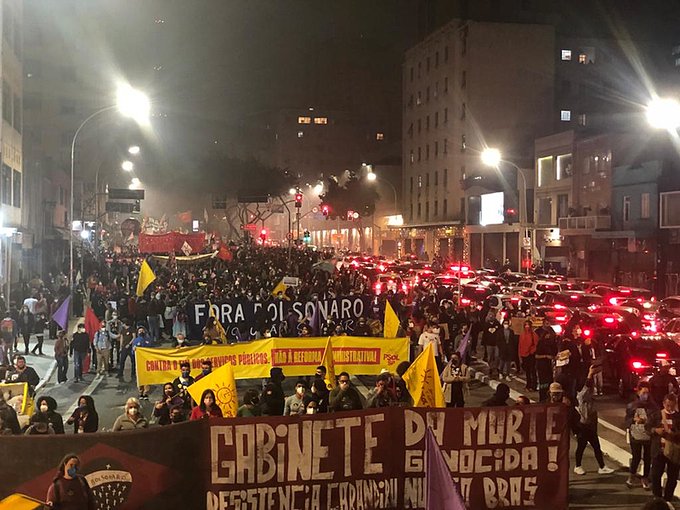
48	376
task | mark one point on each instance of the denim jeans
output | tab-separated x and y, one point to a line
124	354
492	356
154	327
78	361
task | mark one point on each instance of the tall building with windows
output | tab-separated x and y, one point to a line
468	86
12	207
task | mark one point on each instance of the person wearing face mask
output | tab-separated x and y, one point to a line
47	406
177	415
102	346
455	378
429	336
168	401
507	349
207	408
638	412
182	382
528	341
39	425
70	490
206	369
113	328
131	418
125	340
491	338
80	347
664	429
570	363
294	404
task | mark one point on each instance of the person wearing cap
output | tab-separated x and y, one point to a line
499	398
556	393
294	404
362	328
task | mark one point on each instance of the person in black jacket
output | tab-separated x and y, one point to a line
499	398
638	411
47	407
85	418
26	323
664	425
9	422
491	338
273	399
80	347
507	349
24	373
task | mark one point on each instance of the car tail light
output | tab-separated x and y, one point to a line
661	355
355	263
624	291
465	269
637	364
573	296
652	299
648	316
464	301
561	318
613	301
559	307
455	268
381	267
514	299
378	286
609	320
587	333
635	334
480	289
639	300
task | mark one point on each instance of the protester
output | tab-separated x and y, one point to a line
586	431
344	397
662	383
431	336
321	393
499	398
61	347
294	404
250	406
182	382
528	343
141	340
9	331
9	421
507	350
40	326
206	369
207	408
80	347
638	411
556	393
24	373
114	329
70	490
522	400
26	322
131	418
85	418
47	407
455	378
126	338
273	399
664	429
168	401
491	337
385	392
102	346
546	351
39	425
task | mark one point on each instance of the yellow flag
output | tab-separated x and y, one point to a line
146	276
423	381
20	502
328	362
391	327
280	287
218	324
222	382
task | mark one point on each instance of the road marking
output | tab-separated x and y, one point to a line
88	391
602	422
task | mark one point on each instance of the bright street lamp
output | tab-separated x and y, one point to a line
134	150
491	157
318	189
370	176
664	113
131	103
292	191
128	166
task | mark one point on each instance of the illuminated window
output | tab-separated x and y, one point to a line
320	120
566	54
582	58
301	134
582	119
564	166
565	115
304	120
546	173
645	207
381	136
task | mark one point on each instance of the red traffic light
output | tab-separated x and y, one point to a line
350	215
510	212
298	199
325	210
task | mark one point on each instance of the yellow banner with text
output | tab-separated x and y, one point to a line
296	356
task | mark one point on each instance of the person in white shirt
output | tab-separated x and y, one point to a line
431	336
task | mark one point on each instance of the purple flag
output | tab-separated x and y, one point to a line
464	344
441	493
61	315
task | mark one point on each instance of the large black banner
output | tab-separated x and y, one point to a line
239	319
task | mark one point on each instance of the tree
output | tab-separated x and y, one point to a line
355	195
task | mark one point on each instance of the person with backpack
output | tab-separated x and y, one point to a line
586	429
69	489
638	411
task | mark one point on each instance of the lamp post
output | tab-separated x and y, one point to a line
131	103
371	176
493	158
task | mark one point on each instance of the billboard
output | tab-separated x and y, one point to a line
492	209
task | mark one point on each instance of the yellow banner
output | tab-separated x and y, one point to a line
296	356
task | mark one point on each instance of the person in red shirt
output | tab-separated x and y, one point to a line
528	340
207	408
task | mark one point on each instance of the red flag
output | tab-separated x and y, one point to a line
185	217
440	491
225	254
92	323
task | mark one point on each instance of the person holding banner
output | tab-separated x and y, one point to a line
207	408
344	397
455	378
70	490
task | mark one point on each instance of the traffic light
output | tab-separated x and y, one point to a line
350	215
510	215
263	235
325	209
307	237
298	200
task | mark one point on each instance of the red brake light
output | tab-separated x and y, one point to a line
610	320
634	334
465	301
559	306
637	365
573	296
455	268
587	333
381	267
465	269
661	355
625	291
561	318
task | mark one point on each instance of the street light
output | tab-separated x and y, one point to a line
371	176
491	157
128	166
664	113
134	150
131	103
318	189
292	191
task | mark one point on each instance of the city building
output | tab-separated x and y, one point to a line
469	86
